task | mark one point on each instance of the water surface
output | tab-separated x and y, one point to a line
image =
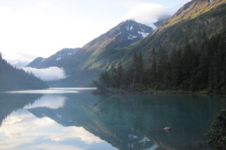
73	118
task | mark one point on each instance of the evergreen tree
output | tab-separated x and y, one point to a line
163	69
153	69
197	66
175	62
187	65
120	75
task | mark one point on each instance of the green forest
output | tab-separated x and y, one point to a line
17	79
198	66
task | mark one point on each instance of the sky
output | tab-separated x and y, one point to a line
33	28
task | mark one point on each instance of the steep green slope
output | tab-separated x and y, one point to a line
193	21
98	52
16	79
199	66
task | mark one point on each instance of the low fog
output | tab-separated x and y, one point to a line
47	74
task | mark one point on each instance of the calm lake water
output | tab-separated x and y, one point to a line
74	119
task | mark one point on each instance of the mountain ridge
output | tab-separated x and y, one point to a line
55	59
196	20
172	33
17	79
93	56
121	31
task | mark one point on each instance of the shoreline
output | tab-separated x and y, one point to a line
151	91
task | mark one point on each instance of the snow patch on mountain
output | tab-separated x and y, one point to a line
43	60
143	34
131	37
58	59
129	27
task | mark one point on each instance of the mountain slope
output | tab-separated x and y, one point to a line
124	34
96	55
56	59
17	79
36	62
195	21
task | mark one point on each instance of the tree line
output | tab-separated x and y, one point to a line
195	67
12	78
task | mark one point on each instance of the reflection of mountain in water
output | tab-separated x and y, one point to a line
136	121
13	102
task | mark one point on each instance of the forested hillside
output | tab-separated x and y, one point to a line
16	79
195	67
186	53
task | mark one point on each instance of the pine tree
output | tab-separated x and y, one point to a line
153	69
175	62
163	69
120	75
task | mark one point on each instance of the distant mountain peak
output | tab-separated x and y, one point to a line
124	34
55	59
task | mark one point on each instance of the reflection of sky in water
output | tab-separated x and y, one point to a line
54	121
51	91
50	101
22	130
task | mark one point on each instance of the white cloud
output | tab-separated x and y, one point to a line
47	74
145	12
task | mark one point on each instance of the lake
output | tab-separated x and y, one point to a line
74	119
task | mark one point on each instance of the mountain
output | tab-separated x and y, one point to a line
36	62
186	53
196	21
85	63
193	21
16	79
124	34
56	59
161	20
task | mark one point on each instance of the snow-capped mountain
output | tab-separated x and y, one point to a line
124	34
56	59
136	31
83	64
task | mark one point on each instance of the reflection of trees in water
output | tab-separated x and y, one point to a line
13	102
187	115
137	120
